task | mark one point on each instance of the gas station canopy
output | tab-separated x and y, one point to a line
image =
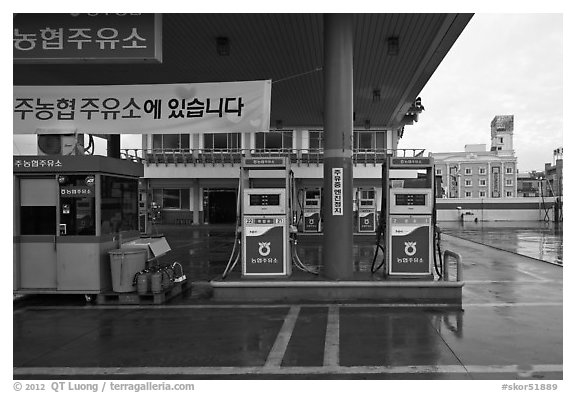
394	57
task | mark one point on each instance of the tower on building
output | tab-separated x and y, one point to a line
502	130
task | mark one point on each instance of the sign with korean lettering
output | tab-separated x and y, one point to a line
76	191
410	245
75	164
264	161
37	163
264	246
453	182
87	38
496	182
337	192
143	109
410	161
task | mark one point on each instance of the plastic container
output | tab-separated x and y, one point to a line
124	264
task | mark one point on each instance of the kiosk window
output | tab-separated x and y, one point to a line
38	220
77	205
38	198
119	204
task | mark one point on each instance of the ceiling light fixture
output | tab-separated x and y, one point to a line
223	46
393	46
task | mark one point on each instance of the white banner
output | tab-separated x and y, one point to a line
143	109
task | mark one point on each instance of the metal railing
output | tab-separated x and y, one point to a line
445	271
298	157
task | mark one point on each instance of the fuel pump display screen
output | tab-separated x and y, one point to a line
264	199
410	199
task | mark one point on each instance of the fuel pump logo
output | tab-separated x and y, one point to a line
410	248
264	248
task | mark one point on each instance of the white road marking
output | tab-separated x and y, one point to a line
273	306
332	341
322	370
279	348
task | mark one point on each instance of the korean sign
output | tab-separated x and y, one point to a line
453	182
143	109
496	184
410	240
75	163
69	38
76	191
416	161
337	194
265	248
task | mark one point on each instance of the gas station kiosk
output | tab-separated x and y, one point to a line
69	212
410	218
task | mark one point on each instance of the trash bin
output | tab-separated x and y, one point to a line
124	264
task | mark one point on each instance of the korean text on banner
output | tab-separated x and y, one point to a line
143	109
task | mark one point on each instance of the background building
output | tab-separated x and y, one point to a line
529	184
554	174
193	178
547	183
477	172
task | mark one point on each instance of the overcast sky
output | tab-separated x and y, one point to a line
502	64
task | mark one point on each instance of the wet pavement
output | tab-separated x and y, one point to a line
537	239
509	327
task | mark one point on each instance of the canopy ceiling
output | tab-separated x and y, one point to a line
288	49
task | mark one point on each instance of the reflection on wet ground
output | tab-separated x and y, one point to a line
536	239
204	252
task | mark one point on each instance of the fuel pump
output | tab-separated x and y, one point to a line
366	210
263	220
311	210
265	240
408	219
265	234
410	226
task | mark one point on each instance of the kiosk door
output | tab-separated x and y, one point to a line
38	206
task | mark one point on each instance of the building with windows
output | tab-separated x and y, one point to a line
547	183
529	184
480	173
554	174
193	178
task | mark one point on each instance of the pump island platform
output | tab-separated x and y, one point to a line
266	244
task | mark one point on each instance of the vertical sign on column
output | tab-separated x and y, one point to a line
337	202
